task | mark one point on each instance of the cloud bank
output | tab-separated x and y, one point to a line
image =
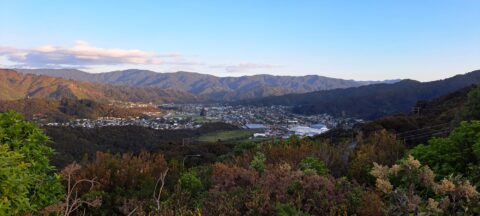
83	55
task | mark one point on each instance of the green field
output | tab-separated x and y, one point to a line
226	136
200	119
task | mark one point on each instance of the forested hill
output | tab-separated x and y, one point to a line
211	87
67	109
436	117
15	86
372	101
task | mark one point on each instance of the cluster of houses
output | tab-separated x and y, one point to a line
266	121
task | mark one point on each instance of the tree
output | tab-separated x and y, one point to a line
27	182
258	162
471	109
190	182
287	210
456	154
315	165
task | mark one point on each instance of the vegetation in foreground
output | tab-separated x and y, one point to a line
379	175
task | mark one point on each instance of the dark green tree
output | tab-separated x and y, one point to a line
471	109
27	181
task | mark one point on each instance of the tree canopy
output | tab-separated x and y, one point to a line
459	153
27	182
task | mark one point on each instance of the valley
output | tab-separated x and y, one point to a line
230	146
233	108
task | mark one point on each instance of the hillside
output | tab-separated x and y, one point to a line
15	86
133	139
435	117
372	101
211	87
68	109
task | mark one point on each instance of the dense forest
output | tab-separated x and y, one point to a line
76	144
371	101
374	173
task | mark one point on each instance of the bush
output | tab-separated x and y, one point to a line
258	162
244	146
288	210
189	182
408	187
315	165
457	154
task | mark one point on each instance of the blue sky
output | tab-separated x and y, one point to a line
363	40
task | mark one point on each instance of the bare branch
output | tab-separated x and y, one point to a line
157	196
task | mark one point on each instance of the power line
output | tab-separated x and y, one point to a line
424	128
427	134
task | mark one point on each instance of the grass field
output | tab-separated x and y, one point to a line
226	136
200	119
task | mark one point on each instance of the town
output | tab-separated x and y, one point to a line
267	121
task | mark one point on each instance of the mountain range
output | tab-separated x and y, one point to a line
207	86
15	86
371	101
367	100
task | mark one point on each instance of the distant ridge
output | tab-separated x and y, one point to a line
372	101
15	86
208	86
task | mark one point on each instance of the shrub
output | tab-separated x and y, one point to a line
258	162
315	165
288	210
409	187
190	183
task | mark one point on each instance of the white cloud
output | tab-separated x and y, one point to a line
244	67
84	54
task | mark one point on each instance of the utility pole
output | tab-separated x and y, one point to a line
416	110
185	141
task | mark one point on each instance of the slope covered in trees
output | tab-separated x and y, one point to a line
208	86
372	101
68	109
427	118
379	175
15	86
139	171
75	144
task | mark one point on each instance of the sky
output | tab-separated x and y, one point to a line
363	40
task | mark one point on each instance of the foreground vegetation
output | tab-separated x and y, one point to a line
376	174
